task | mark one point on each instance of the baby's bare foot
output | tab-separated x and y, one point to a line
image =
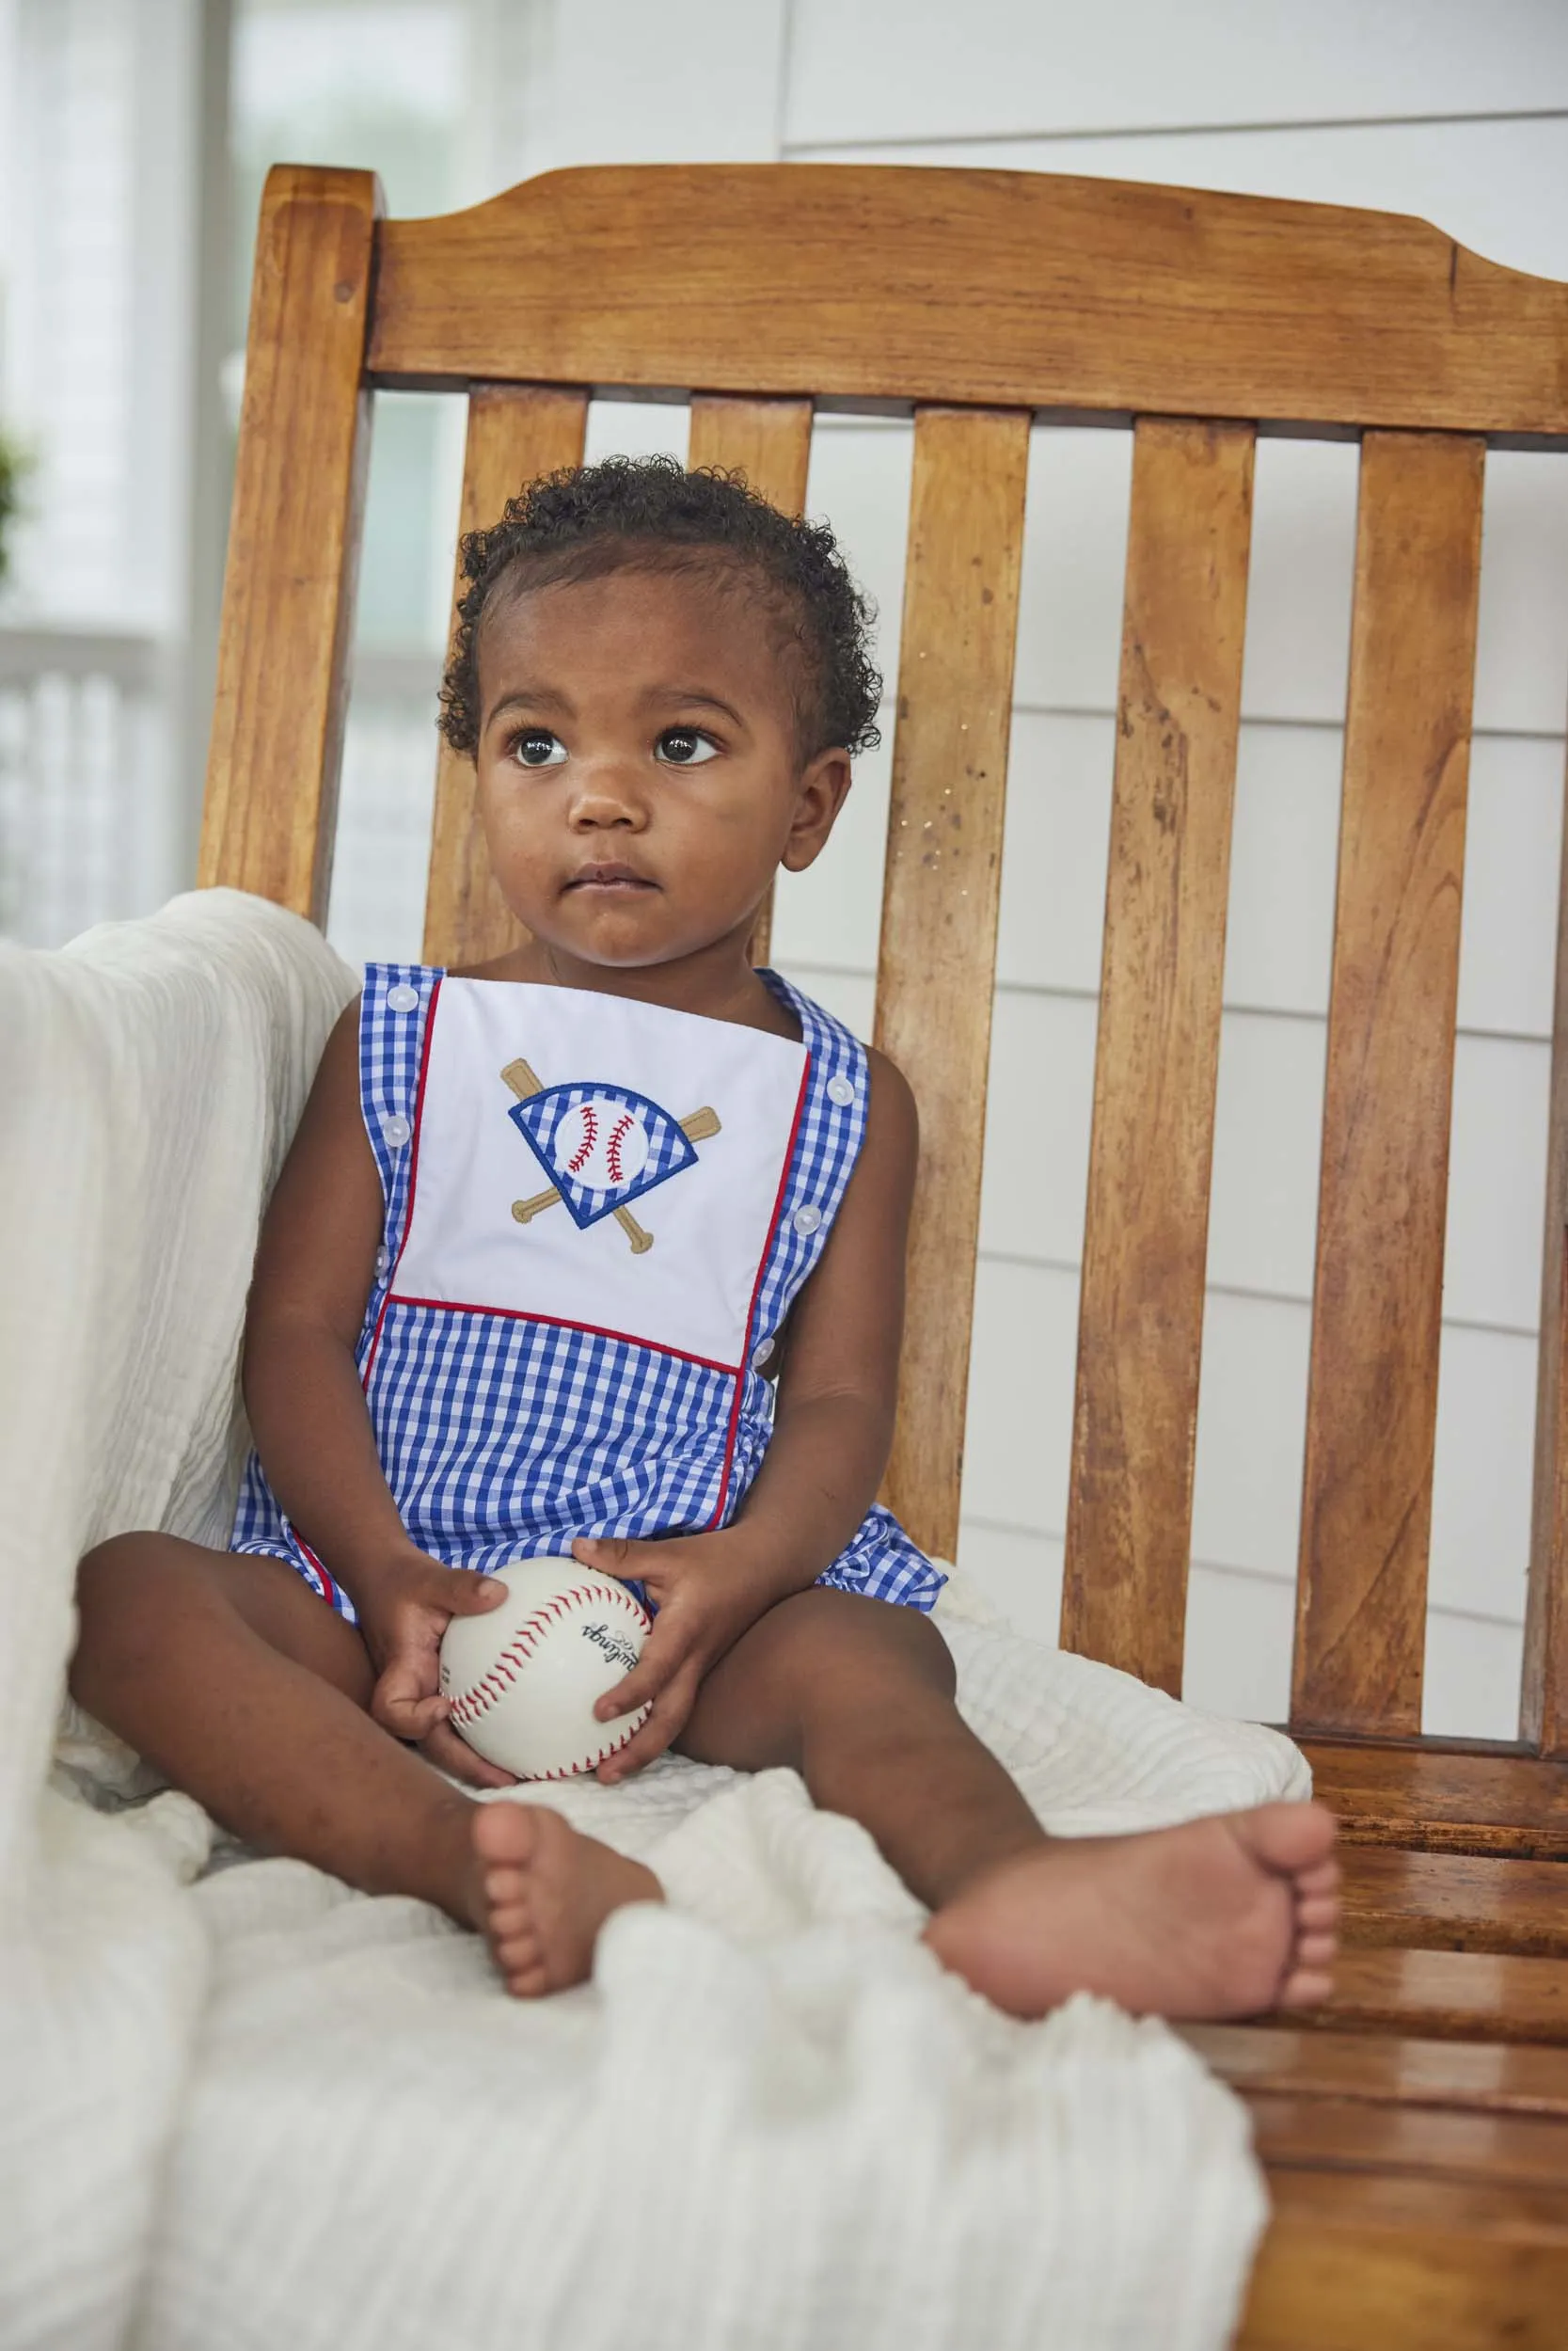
1220	1917
541	1893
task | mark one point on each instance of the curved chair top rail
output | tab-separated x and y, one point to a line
1053	294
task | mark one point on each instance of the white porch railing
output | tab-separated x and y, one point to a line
85	820
92	828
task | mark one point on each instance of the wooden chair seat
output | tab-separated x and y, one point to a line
1442	1797
1379	2150
1416	2132
1420	2257
1454	1902
1476	1996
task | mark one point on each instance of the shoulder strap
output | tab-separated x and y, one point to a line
394	1020
827	1146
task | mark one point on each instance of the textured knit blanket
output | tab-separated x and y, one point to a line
246	2109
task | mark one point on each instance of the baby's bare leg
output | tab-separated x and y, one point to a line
246	1691
249	1693
1219	1917
856	1697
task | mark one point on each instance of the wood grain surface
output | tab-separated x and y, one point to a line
515	434
1124	1590
1377	1300
293	544
1354	2135
770	442
1403	2261
1463	1995
1455	1901
939	900
1435	1800
1006	289
1386	2069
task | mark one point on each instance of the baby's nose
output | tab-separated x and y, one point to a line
606	795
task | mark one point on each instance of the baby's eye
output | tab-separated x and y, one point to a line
538	748
685	747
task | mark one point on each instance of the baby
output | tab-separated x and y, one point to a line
598	1249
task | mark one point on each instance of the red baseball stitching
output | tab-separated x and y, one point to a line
618	1133
472	1704
584	1152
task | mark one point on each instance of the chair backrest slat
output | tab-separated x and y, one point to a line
770	441
1377	1302
293	544
516	433
940	904
1544	1707
1146	1234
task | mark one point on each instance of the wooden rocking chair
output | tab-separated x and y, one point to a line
1417	2138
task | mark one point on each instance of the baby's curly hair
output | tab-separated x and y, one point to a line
649	513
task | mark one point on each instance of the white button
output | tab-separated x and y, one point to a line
404	999
395	1131
807	1219
760	1355
382	1261
841	1091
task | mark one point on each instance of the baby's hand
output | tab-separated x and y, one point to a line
403	1611
706	1599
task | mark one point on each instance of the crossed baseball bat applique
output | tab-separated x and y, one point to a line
619	1155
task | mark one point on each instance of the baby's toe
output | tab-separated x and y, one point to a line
505	1834
503	1882
1319	1882
1305	1987
530	1979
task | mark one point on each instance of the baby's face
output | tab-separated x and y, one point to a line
638	769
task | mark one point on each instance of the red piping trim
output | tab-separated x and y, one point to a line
756	1292
413	1178
330	1591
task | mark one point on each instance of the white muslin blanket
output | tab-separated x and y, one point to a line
245	2109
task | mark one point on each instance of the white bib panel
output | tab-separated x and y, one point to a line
596	1107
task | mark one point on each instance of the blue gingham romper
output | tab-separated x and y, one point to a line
505	1435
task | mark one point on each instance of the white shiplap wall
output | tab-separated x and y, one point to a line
1462	114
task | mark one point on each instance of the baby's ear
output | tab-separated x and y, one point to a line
820	793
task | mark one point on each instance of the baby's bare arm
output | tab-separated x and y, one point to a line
313	1273
838	1388
302	1390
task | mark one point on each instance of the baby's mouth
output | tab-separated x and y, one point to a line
612	877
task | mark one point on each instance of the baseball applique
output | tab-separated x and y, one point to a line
602	1148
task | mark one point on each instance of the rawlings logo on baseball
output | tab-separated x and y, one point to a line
615	1646
523	1679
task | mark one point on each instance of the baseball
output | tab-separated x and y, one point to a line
600	1144
522	1678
